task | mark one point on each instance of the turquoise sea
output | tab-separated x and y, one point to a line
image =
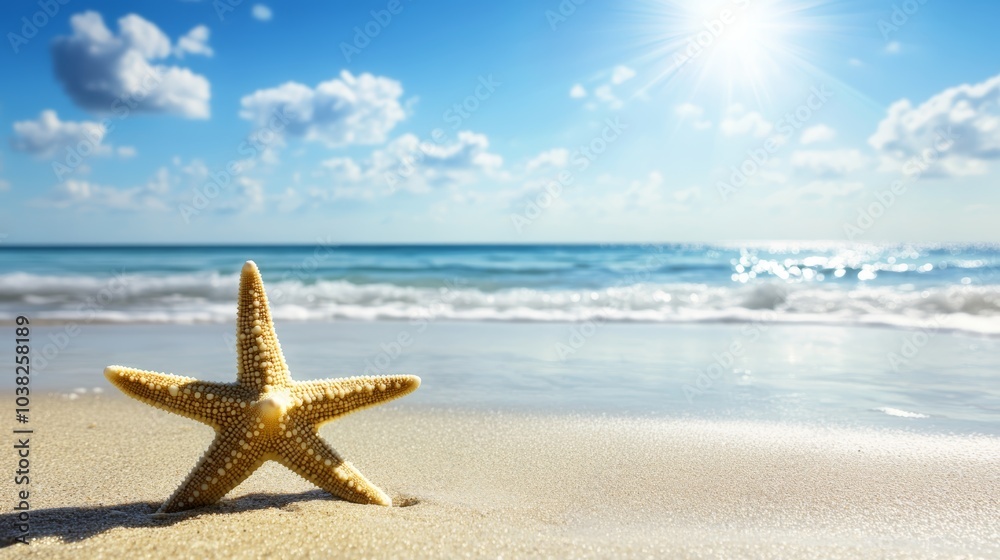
885	335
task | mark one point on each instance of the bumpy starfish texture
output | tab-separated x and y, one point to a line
264	416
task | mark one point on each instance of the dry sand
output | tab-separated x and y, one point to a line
514	485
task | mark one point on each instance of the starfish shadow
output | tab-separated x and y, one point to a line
72	524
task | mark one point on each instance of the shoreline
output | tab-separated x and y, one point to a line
791	374
514	484
934	326
541	415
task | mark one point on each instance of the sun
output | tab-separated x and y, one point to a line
743	35
732	41
729	44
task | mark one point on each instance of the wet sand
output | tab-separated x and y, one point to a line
489	484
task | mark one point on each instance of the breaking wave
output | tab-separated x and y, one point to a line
192	297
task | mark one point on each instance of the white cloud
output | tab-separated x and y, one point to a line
195	42
818	133
556	157
523	183
346	170
693	112
346	110
103	72
959	126
290	200
605	92
894	47
855	62
829	163
621	74
408	163
246	193
646	193
85	194
48	135
261	12
814	192
162	192
247	196
126	151
689	110
4	185
689	194
739	122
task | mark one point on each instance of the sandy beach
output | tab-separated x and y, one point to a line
484	484
541	440
508	280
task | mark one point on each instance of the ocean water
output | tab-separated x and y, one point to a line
950	287
900	336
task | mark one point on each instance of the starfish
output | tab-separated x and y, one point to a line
265	415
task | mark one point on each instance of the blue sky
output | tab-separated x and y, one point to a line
202	122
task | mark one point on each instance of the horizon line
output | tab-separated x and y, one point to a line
481	244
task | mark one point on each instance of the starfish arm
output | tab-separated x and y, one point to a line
259	361
327	399
209	403
232	457
305	453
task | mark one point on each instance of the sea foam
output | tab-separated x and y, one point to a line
207	297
